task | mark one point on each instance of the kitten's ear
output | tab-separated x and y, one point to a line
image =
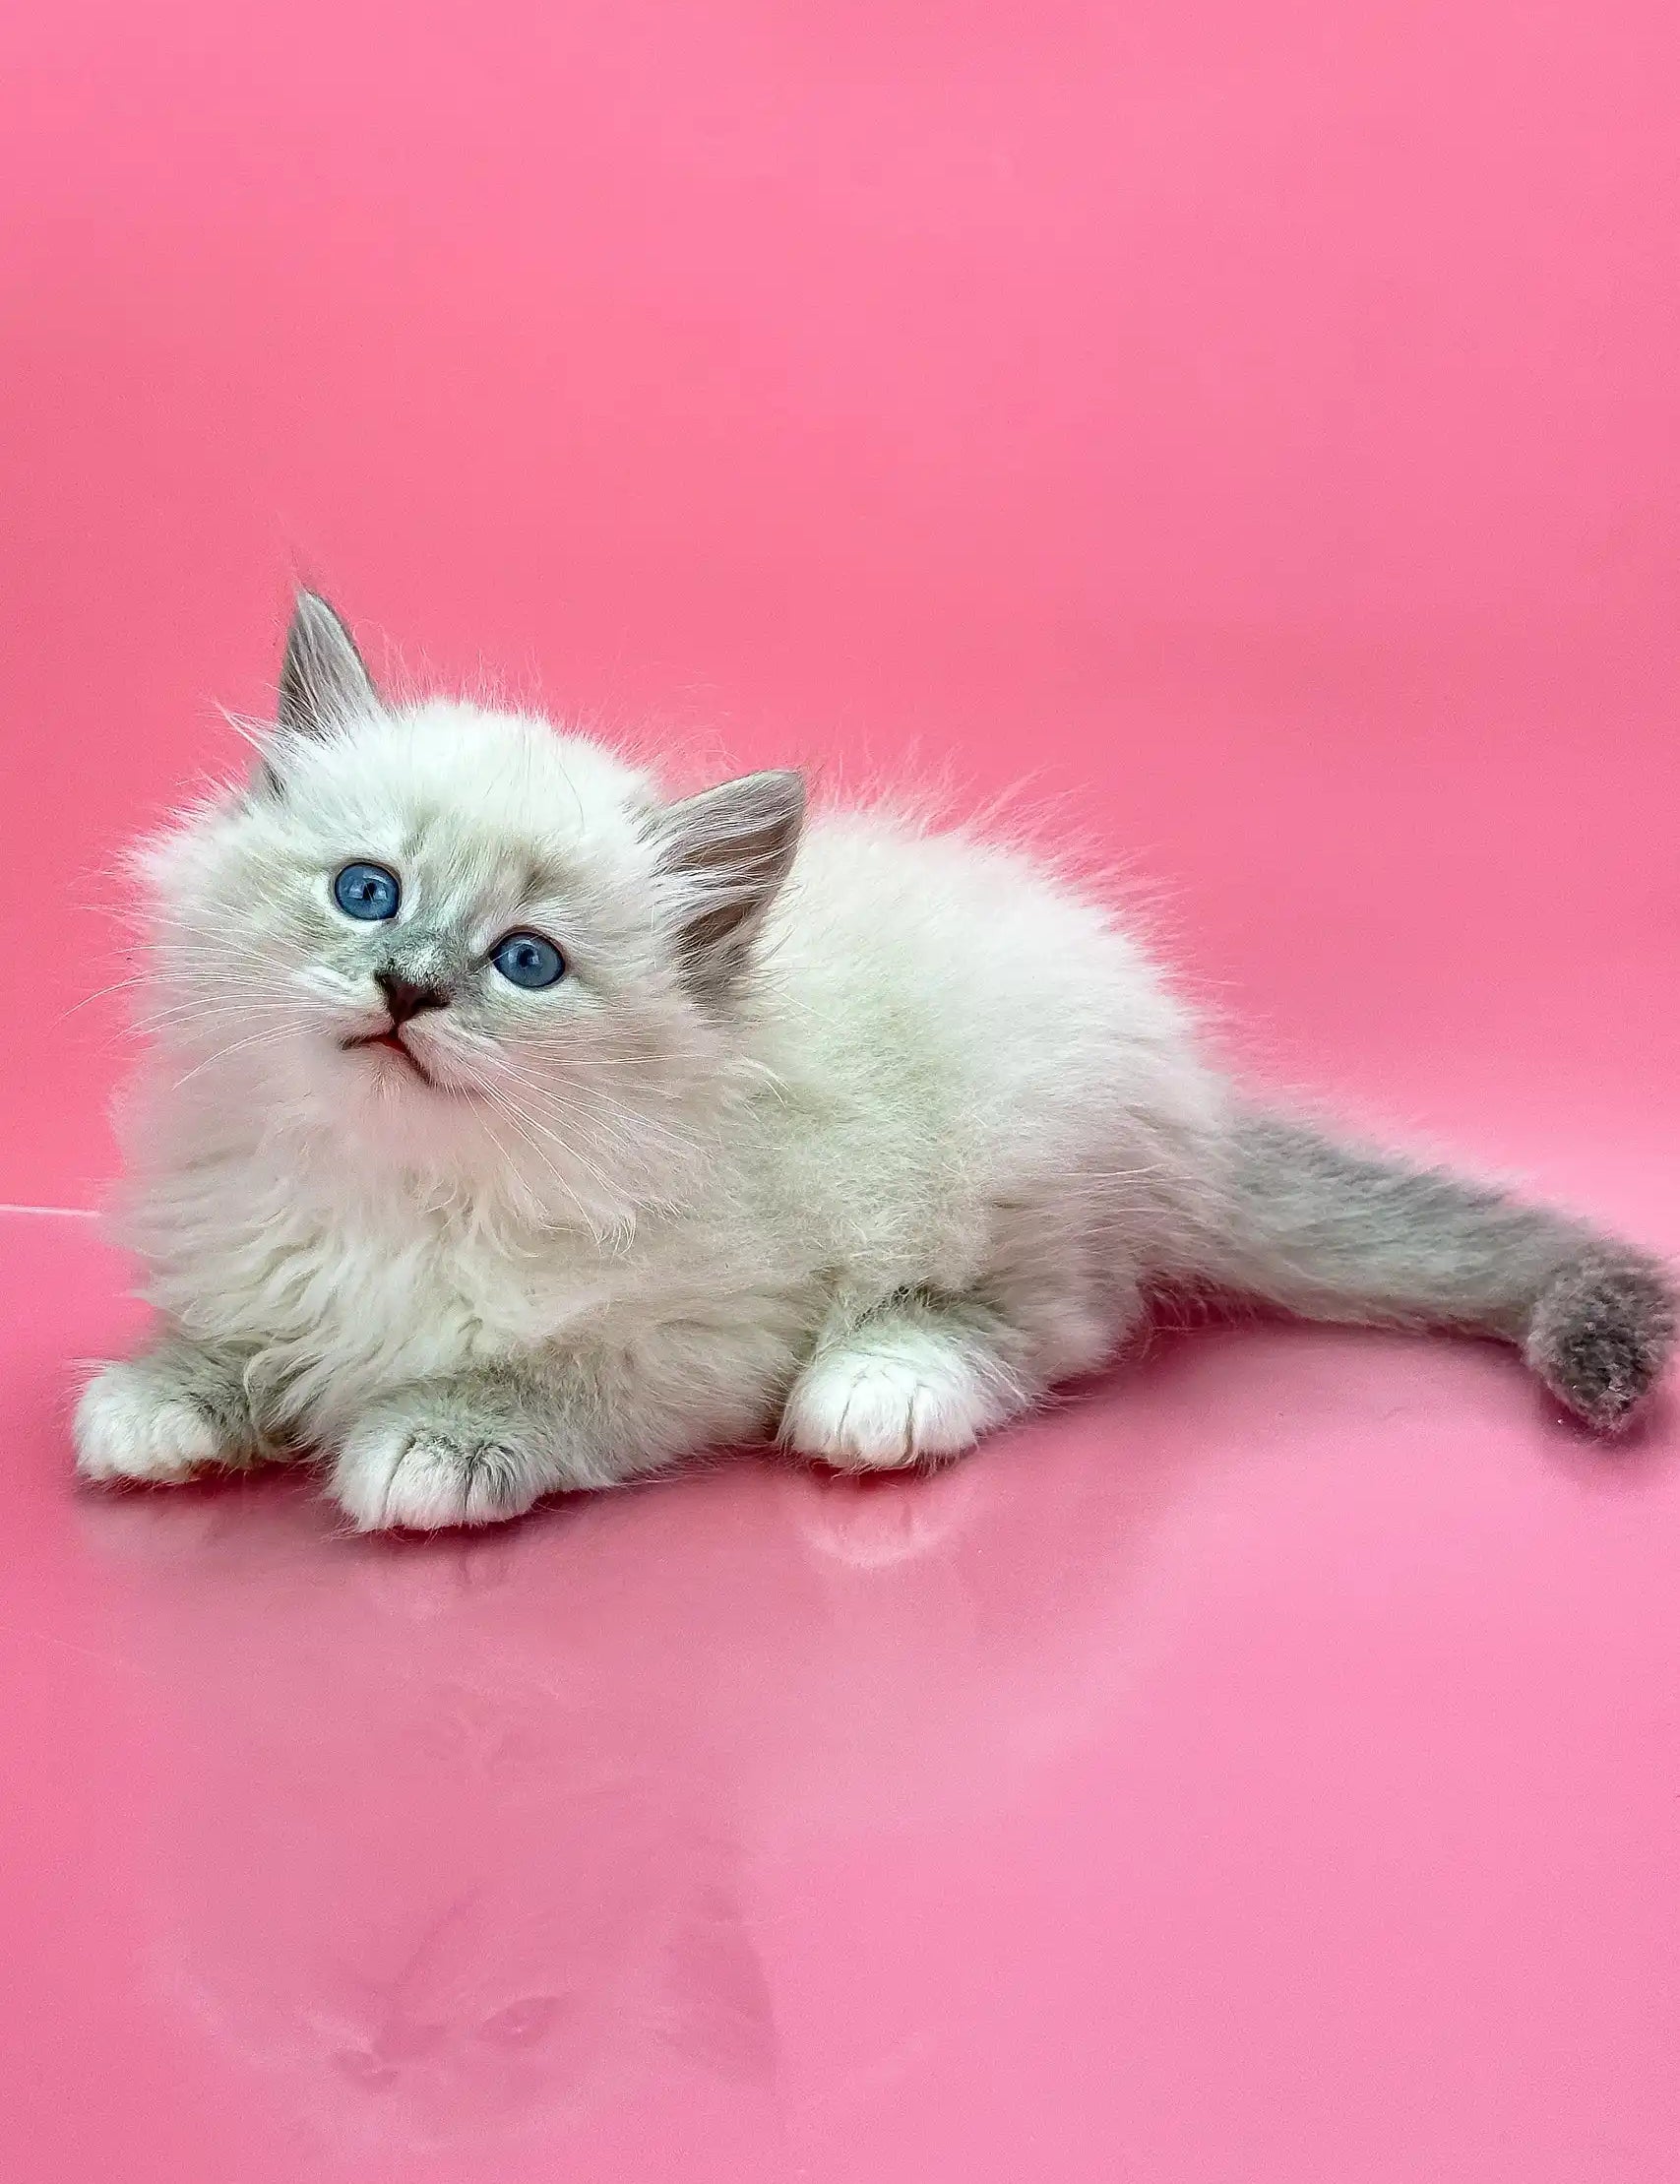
723	854
323	677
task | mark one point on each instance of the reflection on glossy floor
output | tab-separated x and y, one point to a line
1265	1767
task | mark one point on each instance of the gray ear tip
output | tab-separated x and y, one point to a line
787	787
313	608
318	627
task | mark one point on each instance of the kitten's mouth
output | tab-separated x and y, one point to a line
390	1040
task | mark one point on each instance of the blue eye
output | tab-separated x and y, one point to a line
367	891
527	960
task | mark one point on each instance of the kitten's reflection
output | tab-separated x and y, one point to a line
466	1836
417	1866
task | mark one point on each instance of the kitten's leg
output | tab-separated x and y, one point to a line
179	1409
465	1451
911	1383
481	1447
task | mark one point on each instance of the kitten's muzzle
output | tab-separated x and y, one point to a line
392	1039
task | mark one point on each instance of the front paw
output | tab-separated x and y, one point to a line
134	1422
420	1471
904	1396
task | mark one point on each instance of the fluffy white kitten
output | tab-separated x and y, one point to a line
510	1128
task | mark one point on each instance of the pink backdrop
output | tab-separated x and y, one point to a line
1257	424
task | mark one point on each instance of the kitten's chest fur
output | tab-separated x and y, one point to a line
338	1299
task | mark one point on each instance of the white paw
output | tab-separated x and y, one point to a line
396	1474
132	1424
904	1395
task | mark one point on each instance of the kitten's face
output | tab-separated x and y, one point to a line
467	943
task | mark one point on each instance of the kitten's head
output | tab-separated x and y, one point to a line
463	942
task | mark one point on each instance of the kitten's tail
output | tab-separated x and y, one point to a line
1332	1233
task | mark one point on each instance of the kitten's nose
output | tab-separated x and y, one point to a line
404	998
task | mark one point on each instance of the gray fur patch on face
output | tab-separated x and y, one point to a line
1601	1336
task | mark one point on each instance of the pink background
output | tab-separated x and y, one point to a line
1258	425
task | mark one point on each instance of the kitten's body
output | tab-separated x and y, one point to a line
869	1145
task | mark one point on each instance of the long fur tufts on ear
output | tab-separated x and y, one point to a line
323	679
722	857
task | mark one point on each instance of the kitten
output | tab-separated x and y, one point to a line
510	1128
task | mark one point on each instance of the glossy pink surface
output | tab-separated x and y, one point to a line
1259	427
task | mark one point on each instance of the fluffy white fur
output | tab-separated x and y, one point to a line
867	1144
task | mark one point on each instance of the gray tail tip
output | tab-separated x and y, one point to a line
1601	1335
